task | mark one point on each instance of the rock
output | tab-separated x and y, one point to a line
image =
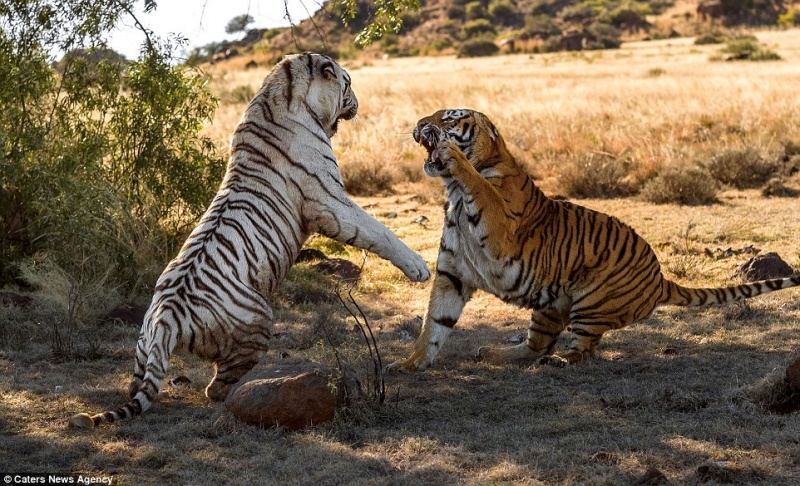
291	397
128	313
652	477
310	254
344	270
15	300
763	267
311	297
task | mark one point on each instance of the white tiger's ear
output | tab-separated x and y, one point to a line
328	70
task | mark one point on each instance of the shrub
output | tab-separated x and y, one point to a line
99	165
712	37
598	177
241	94
541	26
456	12
776	187
603	36
748	48
477	28
366	178
581	13
789	19
742	169
503	13
477	48
681	185
475	10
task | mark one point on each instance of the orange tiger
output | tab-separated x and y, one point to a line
570	265
282	183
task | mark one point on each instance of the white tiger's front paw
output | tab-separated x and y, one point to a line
415	268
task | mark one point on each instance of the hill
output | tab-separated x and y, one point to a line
484	27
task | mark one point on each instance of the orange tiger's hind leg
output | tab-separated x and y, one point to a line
582	346
246	352
543	332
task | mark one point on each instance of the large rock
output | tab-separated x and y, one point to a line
763	267
292	397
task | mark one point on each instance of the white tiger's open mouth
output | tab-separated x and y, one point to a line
345	115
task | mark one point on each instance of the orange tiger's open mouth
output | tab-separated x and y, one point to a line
428	136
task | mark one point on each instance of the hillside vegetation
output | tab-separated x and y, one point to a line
485	27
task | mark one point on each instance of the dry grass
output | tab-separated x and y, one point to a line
666	393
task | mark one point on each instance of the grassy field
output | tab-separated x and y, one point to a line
673	393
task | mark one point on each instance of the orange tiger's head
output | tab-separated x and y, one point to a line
471	131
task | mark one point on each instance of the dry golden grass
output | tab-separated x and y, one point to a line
666	393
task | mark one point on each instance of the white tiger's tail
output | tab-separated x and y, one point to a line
675	294
145	391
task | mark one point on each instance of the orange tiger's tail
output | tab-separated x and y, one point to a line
674	294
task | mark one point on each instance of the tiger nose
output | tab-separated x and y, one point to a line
416	133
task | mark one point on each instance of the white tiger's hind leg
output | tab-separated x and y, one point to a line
139	365
243	356
543	332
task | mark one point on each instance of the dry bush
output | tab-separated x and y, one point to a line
365	178
742	168
681	185
239	95
598	176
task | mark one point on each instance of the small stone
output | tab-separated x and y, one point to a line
310	254
652	477
344	270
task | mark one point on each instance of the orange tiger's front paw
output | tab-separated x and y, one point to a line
411	364
441	159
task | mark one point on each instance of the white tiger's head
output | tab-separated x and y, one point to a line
316	84
471	131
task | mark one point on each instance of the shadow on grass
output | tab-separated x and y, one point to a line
656	397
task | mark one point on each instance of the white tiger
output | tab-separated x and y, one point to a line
282	184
